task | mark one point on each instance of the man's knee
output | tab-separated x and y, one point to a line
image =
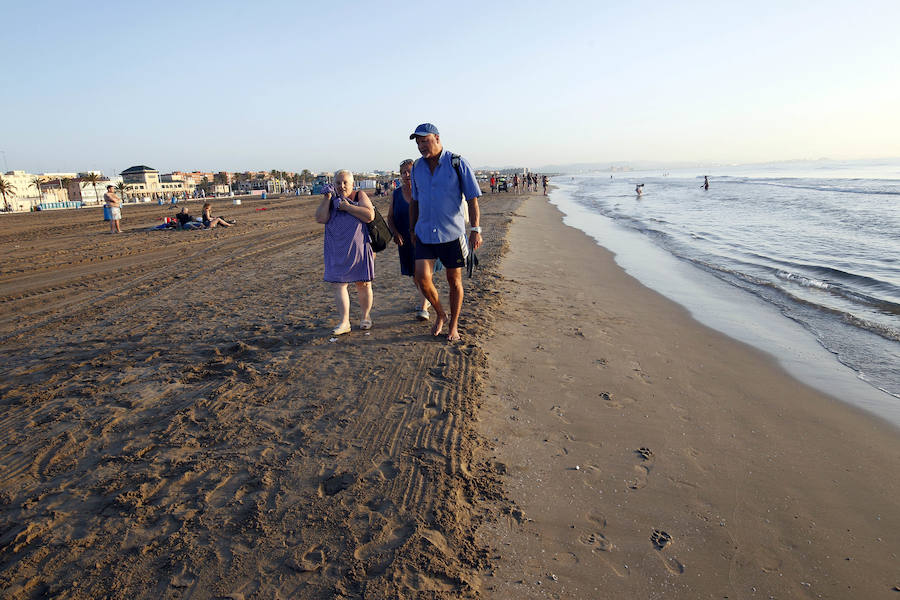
423	273
454	277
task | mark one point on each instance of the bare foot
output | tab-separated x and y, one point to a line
454	335
439	321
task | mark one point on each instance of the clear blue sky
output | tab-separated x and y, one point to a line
274	84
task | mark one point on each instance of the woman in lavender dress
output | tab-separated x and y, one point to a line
348	254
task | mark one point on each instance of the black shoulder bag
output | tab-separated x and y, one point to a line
379	233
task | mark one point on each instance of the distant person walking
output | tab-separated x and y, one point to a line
438	223
347	251
114	206
545	180
398	221
516	183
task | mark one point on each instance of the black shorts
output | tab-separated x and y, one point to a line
452	254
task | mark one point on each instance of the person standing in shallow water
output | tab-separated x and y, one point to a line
438	223
705	182
398	221
347	252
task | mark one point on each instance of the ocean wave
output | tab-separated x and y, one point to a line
883	187
802	280
764	289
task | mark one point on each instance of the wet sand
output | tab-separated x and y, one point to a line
651	457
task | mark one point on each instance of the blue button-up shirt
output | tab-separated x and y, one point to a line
440	197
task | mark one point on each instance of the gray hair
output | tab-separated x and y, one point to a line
408	161
341	172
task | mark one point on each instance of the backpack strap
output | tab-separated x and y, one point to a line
454	160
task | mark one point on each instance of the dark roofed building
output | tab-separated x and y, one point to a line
140	174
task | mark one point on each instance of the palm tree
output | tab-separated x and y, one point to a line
6	188
305	176
122	188
64	184
37	182
93	179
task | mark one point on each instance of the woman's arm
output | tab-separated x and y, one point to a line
323	211
413	219
390	223
365	212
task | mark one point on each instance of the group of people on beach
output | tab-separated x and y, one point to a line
112	212
529	180
427	219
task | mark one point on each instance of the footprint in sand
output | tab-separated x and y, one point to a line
642	471
557	410
608	399
312	560
336	483
600	545
662	540
639	372
597	542
611	402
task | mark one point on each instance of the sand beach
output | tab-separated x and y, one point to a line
178	422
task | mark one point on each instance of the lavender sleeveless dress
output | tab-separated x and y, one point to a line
348	254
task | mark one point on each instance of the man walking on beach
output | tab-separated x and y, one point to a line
440	180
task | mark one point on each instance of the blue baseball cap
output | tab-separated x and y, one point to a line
424	129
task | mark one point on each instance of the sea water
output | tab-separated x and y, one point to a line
801	260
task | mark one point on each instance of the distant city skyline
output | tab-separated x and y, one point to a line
231	86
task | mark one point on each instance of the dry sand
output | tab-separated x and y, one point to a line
650	457
178	423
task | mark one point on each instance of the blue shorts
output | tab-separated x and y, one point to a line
453	254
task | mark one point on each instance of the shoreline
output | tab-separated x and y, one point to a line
650	455
740	315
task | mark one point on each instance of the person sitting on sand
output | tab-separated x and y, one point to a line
210	221
347	252
186	220
398	221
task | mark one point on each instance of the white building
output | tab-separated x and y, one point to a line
146	182
87	193
25	194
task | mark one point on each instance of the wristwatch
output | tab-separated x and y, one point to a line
475	229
